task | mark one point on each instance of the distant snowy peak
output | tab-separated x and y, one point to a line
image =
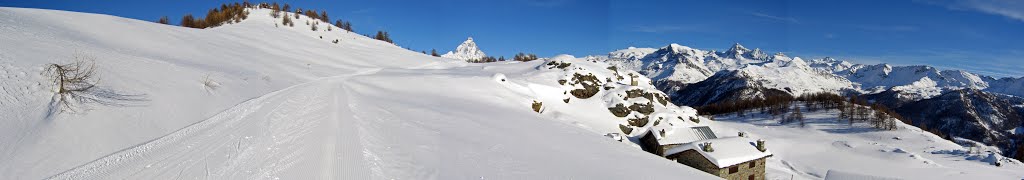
466	51
830	64
631	53
737	51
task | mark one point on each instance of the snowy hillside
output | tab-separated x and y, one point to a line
829	144
467	51
259	100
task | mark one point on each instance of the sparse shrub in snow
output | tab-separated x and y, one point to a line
209	84
73	81
75	86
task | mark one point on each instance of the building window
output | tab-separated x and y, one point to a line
752	164
734	169
751	177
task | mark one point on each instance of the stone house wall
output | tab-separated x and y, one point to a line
694	159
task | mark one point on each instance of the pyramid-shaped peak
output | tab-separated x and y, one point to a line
466	51
738	47
736	50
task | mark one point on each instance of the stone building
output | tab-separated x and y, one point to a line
658	140
738	157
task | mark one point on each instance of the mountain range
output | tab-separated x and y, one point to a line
989	107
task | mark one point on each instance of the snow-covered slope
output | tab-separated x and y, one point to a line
258	100
467	51
973	114
827	144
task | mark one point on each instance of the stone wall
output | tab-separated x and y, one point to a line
694	159
745	171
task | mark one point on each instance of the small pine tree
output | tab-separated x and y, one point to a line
275	10
188	21
799	116
164	20
323	16
287	21
383	36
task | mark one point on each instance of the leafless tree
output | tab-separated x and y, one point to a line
75	85
73	81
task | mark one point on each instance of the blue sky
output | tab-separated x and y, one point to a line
983	36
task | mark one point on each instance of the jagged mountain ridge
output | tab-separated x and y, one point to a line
676	68
677	65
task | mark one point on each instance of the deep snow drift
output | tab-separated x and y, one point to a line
255	100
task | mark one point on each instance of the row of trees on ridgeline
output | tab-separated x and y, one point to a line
233	13
226	14
851	109
236	12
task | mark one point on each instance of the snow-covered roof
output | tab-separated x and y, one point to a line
680	135
840	175
727	151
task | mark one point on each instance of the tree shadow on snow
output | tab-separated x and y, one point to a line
83	101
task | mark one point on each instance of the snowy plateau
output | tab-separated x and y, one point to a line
253	100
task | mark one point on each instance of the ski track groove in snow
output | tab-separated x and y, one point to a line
232	132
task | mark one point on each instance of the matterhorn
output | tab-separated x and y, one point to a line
467	51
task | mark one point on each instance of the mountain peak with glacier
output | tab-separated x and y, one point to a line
467	51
